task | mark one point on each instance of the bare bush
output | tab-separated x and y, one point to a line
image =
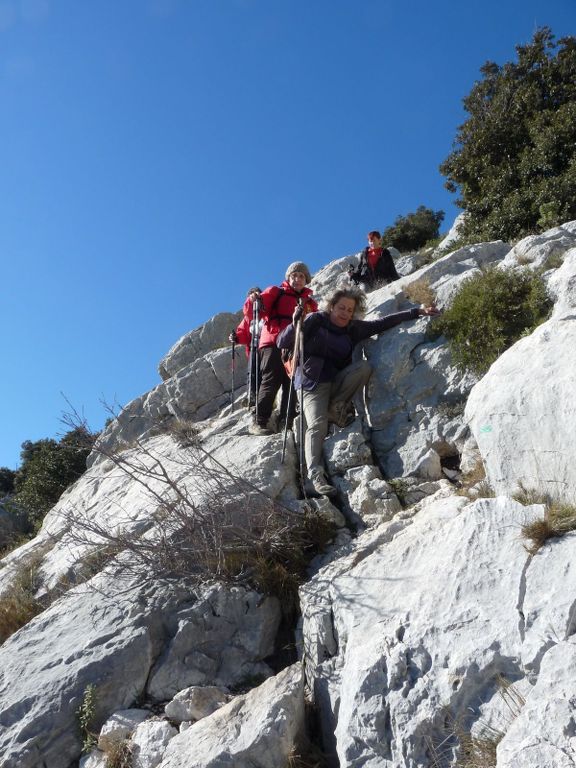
207	522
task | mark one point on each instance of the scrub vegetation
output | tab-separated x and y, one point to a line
490	312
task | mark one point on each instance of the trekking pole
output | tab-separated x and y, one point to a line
297	334
255	361
250	364
233	374
302	431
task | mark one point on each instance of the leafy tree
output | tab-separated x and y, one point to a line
48	468
490	312
7	477
514	158
410	232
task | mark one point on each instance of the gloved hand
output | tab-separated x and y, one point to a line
233	338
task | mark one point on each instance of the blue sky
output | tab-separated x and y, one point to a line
158	157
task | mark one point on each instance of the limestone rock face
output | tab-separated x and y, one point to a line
149	743
521	413
562	285
544	251
196	702
415	630
425	619
193	393
222	642
198	343
260	728
120	726
87	638
453	234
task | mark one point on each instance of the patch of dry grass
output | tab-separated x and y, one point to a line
18	605
558	520
420	292
463	749
475	485
119	754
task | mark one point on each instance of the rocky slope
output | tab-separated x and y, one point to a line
427	632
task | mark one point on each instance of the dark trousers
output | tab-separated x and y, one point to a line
273	376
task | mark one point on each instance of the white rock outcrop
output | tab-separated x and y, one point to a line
126	648
522	413
425	623
149	743
261	728
417	628
198	343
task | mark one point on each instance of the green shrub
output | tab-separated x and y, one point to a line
48	468
86	714
411	232
7	478
490	312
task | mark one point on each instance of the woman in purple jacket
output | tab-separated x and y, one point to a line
329	378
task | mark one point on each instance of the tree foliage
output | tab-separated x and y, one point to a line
410	232
7	479
514	158
490	312
48	468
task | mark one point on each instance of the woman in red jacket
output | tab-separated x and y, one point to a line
277	304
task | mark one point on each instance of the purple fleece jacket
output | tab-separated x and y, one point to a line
328	348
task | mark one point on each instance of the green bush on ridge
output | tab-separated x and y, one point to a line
411	232
490	312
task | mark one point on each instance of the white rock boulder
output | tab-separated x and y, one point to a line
260	728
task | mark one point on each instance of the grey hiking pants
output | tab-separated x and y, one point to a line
317	403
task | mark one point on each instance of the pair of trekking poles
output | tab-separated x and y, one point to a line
297	358
254	368
254	373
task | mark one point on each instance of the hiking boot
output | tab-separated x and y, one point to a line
317	483
341	413
258	429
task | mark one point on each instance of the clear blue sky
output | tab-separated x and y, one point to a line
158	157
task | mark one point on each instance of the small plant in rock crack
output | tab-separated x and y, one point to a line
400	488
119	754
463	747
85	715
558	519
475	485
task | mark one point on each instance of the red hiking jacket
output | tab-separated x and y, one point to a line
277	305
